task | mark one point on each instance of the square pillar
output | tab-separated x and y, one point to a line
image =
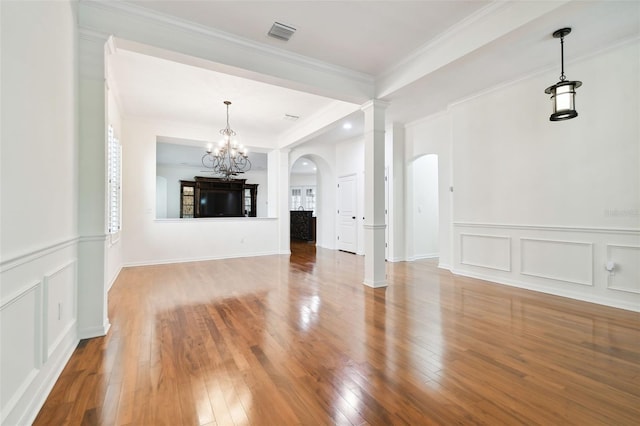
374	221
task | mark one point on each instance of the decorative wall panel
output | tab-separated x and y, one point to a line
568	261
21	350
486	251
626	273
59	305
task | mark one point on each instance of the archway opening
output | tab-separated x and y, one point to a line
303	202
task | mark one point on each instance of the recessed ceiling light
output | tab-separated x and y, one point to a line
304	163
346	126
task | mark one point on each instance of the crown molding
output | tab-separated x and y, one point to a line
191	27
459	27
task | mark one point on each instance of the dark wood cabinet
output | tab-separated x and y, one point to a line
215	197
303	225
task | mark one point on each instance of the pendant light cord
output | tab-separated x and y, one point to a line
562	76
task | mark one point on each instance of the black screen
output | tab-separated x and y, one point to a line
217	203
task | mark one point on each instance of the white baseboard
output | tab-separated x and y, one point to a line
152	262
91	332
29	404
591	298
444	266
115	277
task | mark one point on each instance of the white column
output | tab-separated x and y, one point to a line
396	165
374	226
278	182
92	204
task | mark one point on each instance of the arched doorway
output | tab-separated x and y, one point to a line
303	197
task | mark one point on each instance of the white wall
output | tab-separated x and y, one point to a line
423	197
39	199
542	204
432	135
174	174
147	240
302	179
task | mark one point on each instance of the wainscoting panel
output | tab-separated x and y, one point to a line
486	251
568	261
561	260
20	322
59	305
626	273
38	323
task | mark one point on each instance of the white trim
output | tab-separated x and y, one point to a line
540	71
30	256
93	238
608	253
548	228
201	259
115	277
54	370
445	266
218	35
564	292
213	219
18	394
382	226
427	119
496	237
98	331
589	282
375	284
452	31
46	352
12	298
423	256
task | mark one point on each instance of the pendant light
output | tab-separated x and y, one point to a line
563	93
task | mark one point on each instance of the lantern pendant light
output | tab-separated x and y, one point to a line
563	93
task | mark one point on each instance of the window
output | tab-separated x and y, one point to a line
303	198
296	198
114	162
310	199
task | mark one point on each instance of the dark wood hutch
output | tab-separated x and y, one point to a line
217	197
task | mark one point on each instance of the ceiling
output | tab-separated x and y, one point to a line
366	36
373	38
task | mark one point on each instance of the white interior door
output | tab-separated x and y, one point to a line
347	213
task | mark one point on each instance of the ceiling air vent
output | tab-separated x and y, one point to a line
281	31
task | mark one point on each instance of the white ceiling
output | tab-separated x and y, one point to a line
371	37
366	36
148	86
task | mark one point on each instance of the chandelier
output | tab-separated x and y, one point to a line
228	158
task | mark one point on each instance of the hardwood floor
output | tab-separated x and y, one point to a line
284	341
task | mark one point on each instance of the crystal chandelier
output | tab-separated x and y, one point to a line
228	159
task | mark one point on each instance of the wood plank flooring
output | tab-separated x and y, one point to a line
299	340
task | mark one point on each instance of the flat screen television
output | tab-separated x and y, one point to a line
217	203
